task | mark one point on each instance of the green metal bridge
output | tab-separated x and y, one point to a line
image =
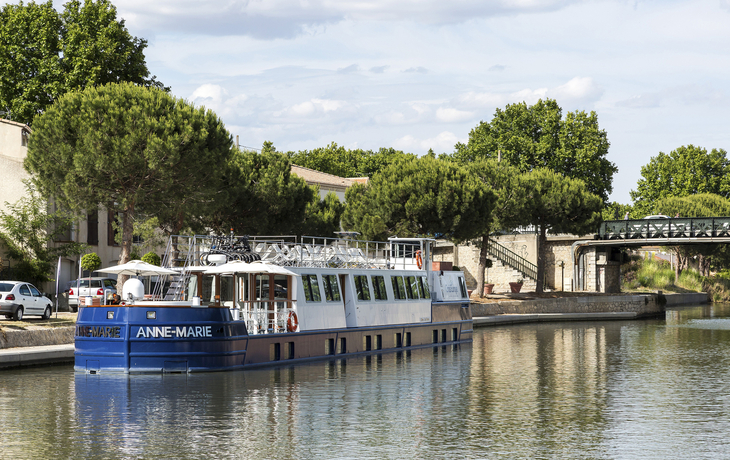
666	230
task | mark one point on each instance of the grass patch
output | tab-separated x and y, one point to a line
651	275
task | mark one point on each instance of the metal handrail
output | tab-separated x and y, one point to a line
511	259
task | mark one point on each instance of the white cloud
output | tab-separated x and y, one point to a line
578	91
313	107
268	19
443	142
451	115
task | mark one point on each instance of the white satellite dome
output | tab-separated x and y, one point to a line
133	290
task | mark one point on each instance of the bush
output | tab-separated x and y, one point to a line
151	258
90	262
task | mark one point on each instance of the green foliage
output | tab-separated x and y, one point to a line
152	258
44	54
133	149
423	196
90	262
685	171
28	232
322	217
261	196
343	162
617	211
560	205
530	137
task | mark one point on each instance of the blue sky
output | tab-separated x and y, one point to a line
420	74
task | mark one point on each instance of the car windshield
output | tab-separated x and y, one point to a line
6	287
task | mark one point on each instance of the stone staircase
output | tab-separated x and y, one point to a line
501	275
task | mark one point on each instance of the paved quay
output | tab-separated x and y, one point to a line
497	320
33	356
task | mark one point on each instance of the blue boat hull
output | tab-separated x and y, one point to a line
157	339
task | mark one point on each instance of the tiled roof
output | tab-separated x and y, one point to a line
16	123
320	178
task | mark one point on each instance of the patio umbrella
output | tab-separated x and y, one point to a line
245	267
138	268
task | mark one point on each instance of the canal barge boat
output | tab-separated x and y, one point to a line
237	302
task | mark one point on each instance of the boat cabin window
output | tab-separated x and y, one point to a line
462	285
412	287
379	288
362	287
423	284
311	288
399	288
331	288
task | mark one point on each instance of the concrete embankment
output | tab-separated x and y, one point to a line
589	308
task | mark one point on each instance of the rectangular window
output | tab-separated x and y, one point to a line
368	343
329	346
92	228
362	287
435	336
290	350
311	288
275	352
331	288
412	287
462	285
398	340
343	345
423	285
399	288
379	288
378	342
454	334
443	335
408	339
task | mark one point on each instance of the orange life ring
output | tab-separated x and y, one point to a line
292	322
419	259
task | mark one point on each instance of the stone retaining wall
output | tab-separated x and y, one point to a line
36	337
641	304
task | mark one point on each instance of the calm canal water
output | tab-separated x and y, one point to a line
630	389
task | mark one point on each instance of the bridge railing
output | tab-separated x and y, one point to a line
699	227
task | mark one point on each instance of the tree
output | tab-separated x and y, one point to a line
131	149
342	162
685	171
536	136
700	205
29	234
561	205
44	54
322	217
510	201
90	262
415	197
260	195
617	211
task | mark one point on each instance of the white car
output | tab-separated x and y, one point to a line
18	299
94	287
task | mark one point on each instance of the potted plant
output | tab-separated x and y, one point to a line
488	287
515	287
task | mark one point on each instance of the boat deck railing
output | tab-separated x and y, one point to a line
292	251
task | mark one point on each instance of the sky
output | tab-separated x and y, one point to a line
420	74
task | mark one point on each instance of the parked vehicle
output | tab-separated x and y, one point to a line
18	299
94	287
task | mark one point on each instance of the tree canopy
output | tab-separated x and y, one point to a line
537	136
128	148
262	196
339	161
30	234
44	53
685	171
420	196
561	205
